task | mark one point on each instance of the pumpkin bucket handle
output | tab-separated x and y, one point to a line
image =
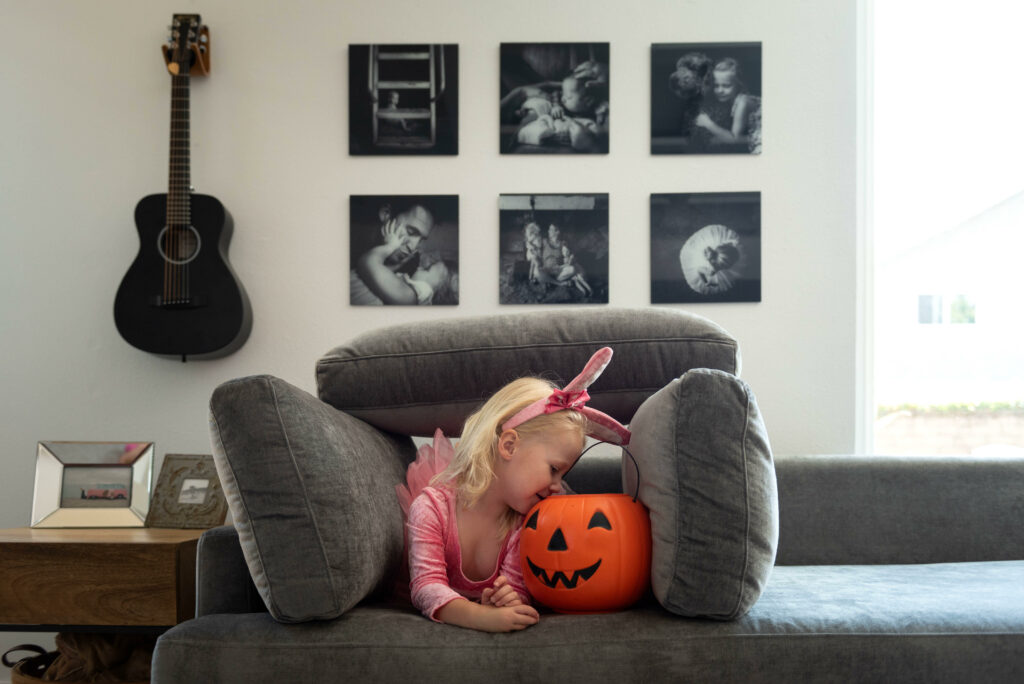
636	493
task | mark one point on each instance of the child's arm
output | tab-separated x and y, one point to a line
740	112
465	613
429	587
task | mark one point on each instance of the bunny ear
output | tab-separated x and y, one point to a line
592	371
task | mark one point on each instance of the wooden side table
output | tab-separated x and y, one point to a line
142	579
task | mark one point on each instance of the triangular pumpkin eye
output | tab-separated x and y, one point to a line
532	522
599	519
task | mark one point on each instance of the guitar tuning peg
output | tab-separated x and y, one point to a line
204	38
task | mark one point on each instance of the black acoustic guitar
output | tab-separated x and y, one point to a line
180	296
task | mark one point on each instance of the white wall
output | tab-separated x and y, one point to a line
84	121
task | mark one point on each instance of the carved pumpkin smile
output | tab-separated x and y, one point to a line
552	580
586	552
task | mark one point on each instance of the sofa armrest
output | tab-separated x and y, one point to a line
223	582
836	510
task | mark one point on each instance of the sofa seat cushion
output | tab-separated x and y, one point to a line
417	377
906	623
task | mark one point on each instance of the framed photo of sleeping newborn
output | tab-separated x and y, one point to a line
705	247
403	99
554	98
403	250
553	249
706	98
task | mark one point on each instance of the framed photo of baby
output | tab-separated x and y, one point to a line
403	99
705	247
554	98
553	249
706	98
403	250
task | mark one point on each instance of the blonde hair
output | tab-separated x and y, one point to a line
471	470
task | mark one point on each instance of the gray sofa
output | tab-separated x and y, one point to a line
765	568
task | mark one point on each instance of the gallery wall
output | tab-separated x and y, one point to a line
85	121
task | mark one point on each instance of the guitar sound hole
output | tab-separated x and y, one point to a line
178	245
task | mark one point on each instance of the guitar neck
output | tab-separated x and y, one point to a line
179	177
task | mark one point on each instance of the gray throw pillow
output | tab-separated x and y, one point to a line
438	372
708	479
311	491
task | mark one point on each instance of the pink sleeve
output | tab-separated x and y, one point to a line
428	571
512	567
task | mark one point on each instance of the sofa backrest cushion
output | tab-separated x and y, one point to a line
415	378
707	477
311	492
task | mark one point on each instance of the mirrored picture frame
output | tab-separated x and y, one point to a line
92	484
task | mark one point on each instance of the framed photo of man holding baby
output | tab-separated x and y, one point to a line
554	98
403	250
706	98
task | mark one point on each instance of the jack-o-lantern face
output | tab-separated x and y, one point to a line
586	553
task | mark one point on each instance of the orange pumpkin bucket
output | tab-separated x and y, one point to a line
587	553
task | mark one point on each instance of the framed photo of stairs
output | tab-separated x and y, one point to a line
403	99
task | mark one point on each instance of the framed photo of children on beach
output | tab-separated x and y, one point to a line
553	249
403	250
403	99
705	247
706	98
554	98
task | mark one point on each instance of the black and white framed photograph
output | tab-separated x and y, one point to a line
403	99
705	247
92	484
404	250
706	98
554	98
553	249
188	494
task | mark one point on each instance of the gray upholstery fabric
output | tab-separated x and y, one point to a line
223	581
440	371
311	491
900	509
899	623
707	477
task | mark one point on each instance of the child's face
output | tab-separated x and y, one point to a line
572	94
435	275
725	85
535	467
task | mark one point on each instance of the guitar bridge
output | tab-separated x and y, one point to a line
190	302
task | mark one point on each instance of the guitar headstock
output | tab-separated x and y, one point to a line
187	46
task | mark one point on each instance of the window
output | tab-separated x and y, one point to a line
937	309
947	227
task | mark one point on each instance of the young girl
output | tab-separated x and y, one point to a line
726	115
463	532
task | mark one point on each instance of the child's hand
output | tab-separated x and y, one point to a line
501	594
391	232
509	618
557	111
703	120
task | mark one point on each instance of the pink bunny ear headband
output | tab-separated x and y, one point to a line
574	397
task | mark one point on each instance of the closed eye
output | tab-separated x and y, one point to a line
599	519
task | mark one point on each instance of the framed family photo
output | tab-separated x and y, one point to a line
403	250
403	99
705	247
554	98
553	249
706	98
92	484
